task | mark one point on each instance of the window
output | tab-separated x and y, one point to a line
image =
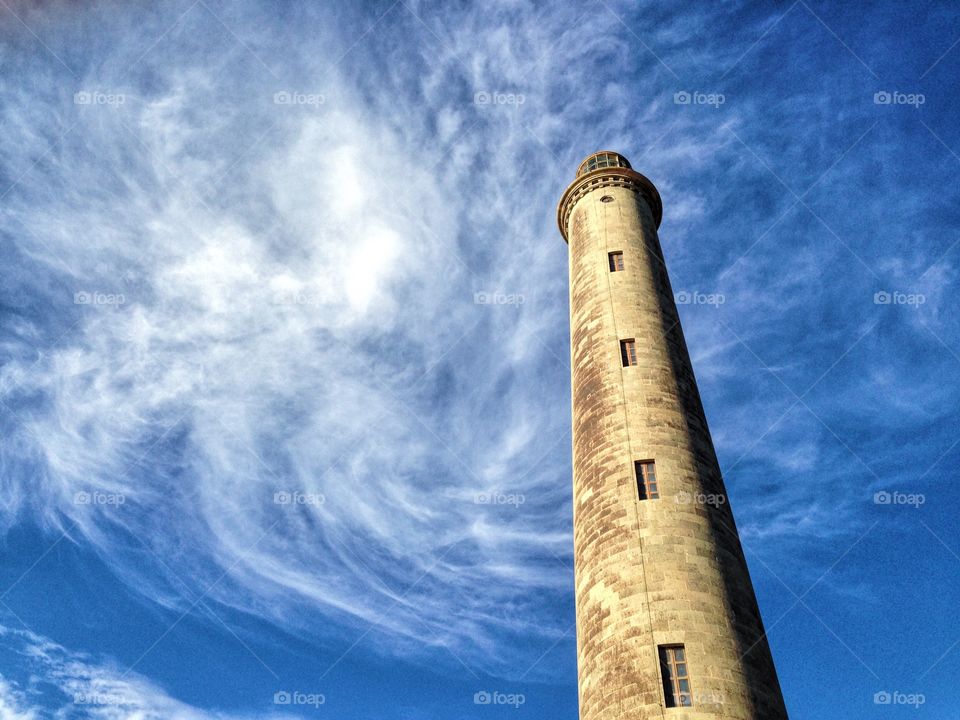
647	488
616	262
599	161
676	678
628	352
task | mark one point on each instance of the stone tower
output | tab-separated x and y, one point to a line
667	620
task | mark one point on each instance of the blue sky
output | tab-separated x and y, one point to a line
285	384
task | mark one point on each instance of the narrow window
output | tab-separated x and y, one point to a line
616	262
647	488
676	678
628	352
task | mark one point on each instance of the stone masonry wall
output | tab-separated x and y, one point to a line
650	572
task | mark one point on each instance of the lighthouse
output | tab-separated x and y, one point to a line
667	620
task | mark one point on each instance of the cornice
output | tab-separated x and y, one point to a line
608	177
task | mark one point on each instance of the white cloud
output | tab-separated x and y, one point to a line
298	316
64	683
13	704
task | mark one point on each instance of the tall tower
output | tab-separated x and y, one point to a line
667	620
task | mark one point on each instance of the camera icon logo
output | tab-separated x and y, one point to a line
882	498
681	98
482	698
282	498
882	298
882	698
81	498
482	98
882	98
282	697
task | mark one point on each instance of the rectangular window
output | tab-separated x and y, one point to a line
647	488
628	352
676	678
616	262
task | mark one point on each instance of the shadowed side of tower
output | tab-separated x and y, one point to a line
667	619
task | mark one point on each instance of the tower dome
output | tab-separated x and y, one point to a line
602	159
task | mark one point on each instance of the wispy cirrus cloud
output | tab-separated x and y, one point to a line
272	355
60	682
285	323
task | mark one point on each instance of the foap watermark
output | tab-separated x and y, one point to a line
685	297
99	698
95	97
698	498
498	98
485	297
714	100
285	97
295	697
895	697
98	298
495	697
884	97
882	297
98	498
894	497
499	498
306	298
294	497
706	698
